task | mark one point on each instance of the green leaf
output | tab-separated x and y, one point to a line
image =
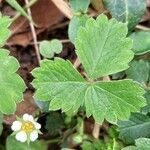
16	5
12	85
139	71
141	144
74	25
1	121
13	144
48	48
79	6
57	81
137	126
140	46
44	106
103	48
4	31
127	11
146	109
54	123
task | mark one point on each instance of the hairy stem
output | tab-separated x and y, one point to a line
34	35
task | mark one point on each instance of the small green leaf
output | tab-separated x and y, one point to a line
74	25
54	123
1	121
137	126
4	31
141	144
13	144
139	71
58	82
103	48
141	42
127	11
48	48
16	5
12	85
79	5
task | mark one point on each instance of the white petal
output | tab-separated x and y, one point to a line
33	135
37	125
21	136
16	126
27	117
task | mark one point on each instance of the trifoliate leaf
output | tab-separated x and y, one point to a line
48	48
103	48
139	71
12	85
13	144
141	42
74	25
127	11
58	82
4	31
141	144
1	121
137	126
79	6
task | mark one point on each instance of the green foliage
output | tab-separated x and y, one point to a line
141	42
137	126
4	31
48	48
127	11
1	121
79	6
111	144
57	81
139	71
74	25
98	50
12	144
141	144
54	123
146	109
10	81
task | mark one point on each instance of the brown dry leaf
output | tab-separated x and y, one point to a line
44	13
26	106
98	5
63	7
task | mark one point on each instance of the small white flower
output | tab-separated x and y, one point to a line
26	129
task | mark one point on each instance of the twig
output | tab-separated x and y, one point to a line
96	129
142	28
34	35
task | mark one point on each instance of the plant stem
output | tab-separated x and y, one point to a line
77	63
96	130
33	34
